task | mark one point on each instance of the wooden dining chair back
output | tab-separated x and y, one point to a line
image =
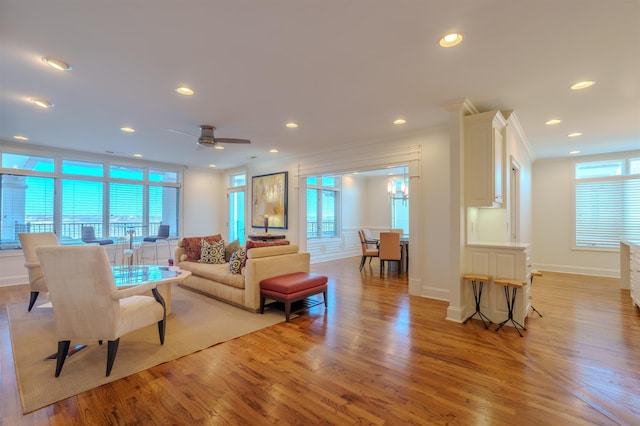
389	249
368	250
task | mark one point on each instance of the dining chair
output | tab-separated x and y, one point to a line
29	242
88	235
87	305
389	249
368	250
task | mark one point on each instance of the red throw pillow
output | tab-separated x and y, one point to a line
192	245
253	244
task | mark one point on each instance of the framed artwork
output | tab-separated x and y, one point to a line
269	200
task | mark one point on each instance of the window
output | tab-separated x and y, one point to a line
26	205
323	206
400	205
607	202
236	196
39	194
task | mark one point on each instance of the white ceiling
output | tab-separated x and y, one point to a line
342	69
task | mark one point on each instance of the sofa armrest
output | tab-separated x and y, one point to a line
260	268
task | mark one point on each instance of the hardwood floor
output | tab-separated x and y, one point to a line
379	356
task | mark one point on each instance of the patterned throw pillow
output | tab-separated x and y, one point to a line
211	252
192	245
236	261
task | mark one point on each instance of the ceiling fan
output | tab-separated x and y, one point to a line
207	138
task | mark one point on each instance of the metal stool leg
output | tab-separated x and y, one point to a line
511	301
477	286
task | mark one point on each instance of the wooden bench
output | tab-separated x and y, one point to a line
291	288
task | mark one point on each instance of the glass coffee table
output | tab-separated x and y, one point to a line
163	276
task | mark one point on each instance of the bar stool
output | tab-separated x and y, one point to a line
535	274
511	287
477	282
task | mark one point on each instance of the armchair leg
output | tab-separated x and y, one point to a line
162	325
63	350
112	350
364	259
32	299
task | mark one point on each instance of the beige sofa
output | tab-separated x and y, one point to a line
243	289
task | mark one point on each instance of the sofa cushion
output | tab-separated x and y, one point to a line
236	261
219	273
192	245
211	252
231	248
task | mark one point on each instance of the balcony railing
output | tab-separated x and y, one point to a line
328	230
71	232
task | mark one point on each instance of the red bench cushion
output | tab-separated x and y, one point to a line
292	283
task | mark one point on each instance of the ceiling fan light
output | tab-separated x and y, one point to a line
219	147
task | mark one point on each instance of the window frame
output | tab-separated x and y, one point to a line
319	187
626	174
174	174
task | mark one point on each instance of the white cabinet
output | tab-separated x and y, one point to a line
500	261
484	159
630	270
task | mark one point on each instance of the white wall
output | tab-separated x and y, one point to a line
204	203
553	224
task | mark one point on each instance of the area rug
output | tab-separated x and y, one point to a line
197	322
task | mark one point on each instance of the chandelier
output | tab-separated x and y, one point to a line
401	193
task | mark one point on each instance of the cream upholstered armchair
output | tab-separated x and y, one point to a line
87	305
29	242
389	248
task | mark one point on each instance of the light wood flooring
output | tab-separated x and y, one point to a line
379	356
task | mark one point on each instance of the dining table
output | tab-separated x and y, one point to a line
404	249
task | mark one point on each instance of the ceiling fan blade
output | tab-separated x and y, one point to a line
180	132
232	140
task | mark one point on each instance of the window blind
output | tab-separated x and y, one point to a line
607	212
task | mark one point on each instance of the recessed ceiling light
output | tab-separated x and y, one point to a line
212	165
553	121
138	155
574	152
21	138
184	91
399	121
219	147
450	40
574	134
582	84
127	129
273	150
57	64
292	125
42	103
